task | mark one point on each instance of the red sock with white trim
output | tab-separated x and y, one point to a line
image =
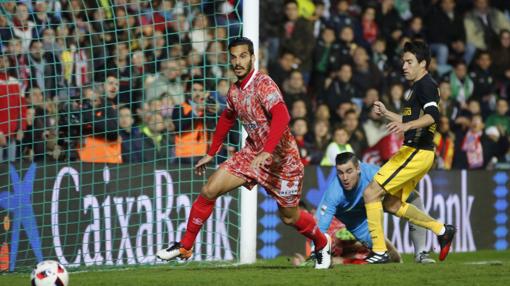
200	212
307	226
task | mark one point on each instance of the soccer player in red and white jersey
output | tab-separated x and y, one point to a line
270	157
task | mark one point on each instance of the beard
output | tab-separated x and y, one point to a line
247	69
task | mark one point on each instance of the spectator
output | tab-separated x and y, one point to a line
484	84
75	61
394	99
5	32
365	73
339	145
341	88
371	96
369	25
42	19
194	64
299	127
318	140
190	120
341	17
298	38
124	31
325	58
374	128
101	143
18	63
167	105
271	23
40	137
216	61
415	28
227	16
102	25
461	84
447	106
500	119
483	25
92	96
220	94
199	34
469	154
433	70
294	89
495	147
158	51
445	32
389	21
132	93
444	140
358	139
379	57
13	113
501	66
299	109
22	28
51	54
157	144
319	18
341	109
42	70
111	90
132	138
281	70
322	113
347	45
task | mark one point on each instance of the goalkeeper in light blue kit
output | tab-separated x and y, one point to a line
343	199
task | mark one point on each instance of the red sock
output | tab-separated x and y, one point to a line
307	226
200	212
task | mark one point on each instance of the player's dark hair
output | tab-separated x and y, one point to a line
239	41
420	49
345	157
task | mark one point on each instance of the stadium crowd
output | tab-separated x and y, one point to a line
132	81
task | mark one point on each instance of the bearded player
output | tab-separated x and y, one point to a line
270	157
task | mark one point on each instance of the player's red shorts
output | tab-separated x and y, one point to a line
282	179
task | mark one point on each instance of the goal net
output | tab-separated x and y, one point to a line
105	106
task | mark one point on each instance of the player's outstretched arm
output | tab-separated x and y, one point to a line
399	127
225	123
389	115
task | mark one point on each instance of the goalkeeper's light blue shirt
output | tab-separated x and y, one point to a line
347	206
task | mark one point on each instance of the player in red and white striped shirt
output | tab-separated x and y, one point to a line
270	157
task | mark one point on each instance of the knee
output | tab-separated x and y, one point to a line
391	205
209	193
372	193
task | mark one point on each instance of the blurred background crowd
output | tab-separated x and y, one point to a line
135	81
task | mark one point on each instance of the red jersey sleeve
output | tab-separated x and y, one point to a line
279	120
225	123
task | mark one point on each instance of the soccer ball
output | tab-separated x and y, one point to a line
49	273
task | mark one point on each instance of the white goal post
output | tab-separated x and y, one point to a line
248	231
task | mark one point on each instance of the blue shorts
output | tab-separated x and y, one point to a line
362	234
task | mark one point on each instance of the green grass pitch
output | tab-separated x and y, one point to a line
477	268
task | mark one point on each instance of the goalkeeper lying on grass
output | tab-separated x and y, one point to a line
343	200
